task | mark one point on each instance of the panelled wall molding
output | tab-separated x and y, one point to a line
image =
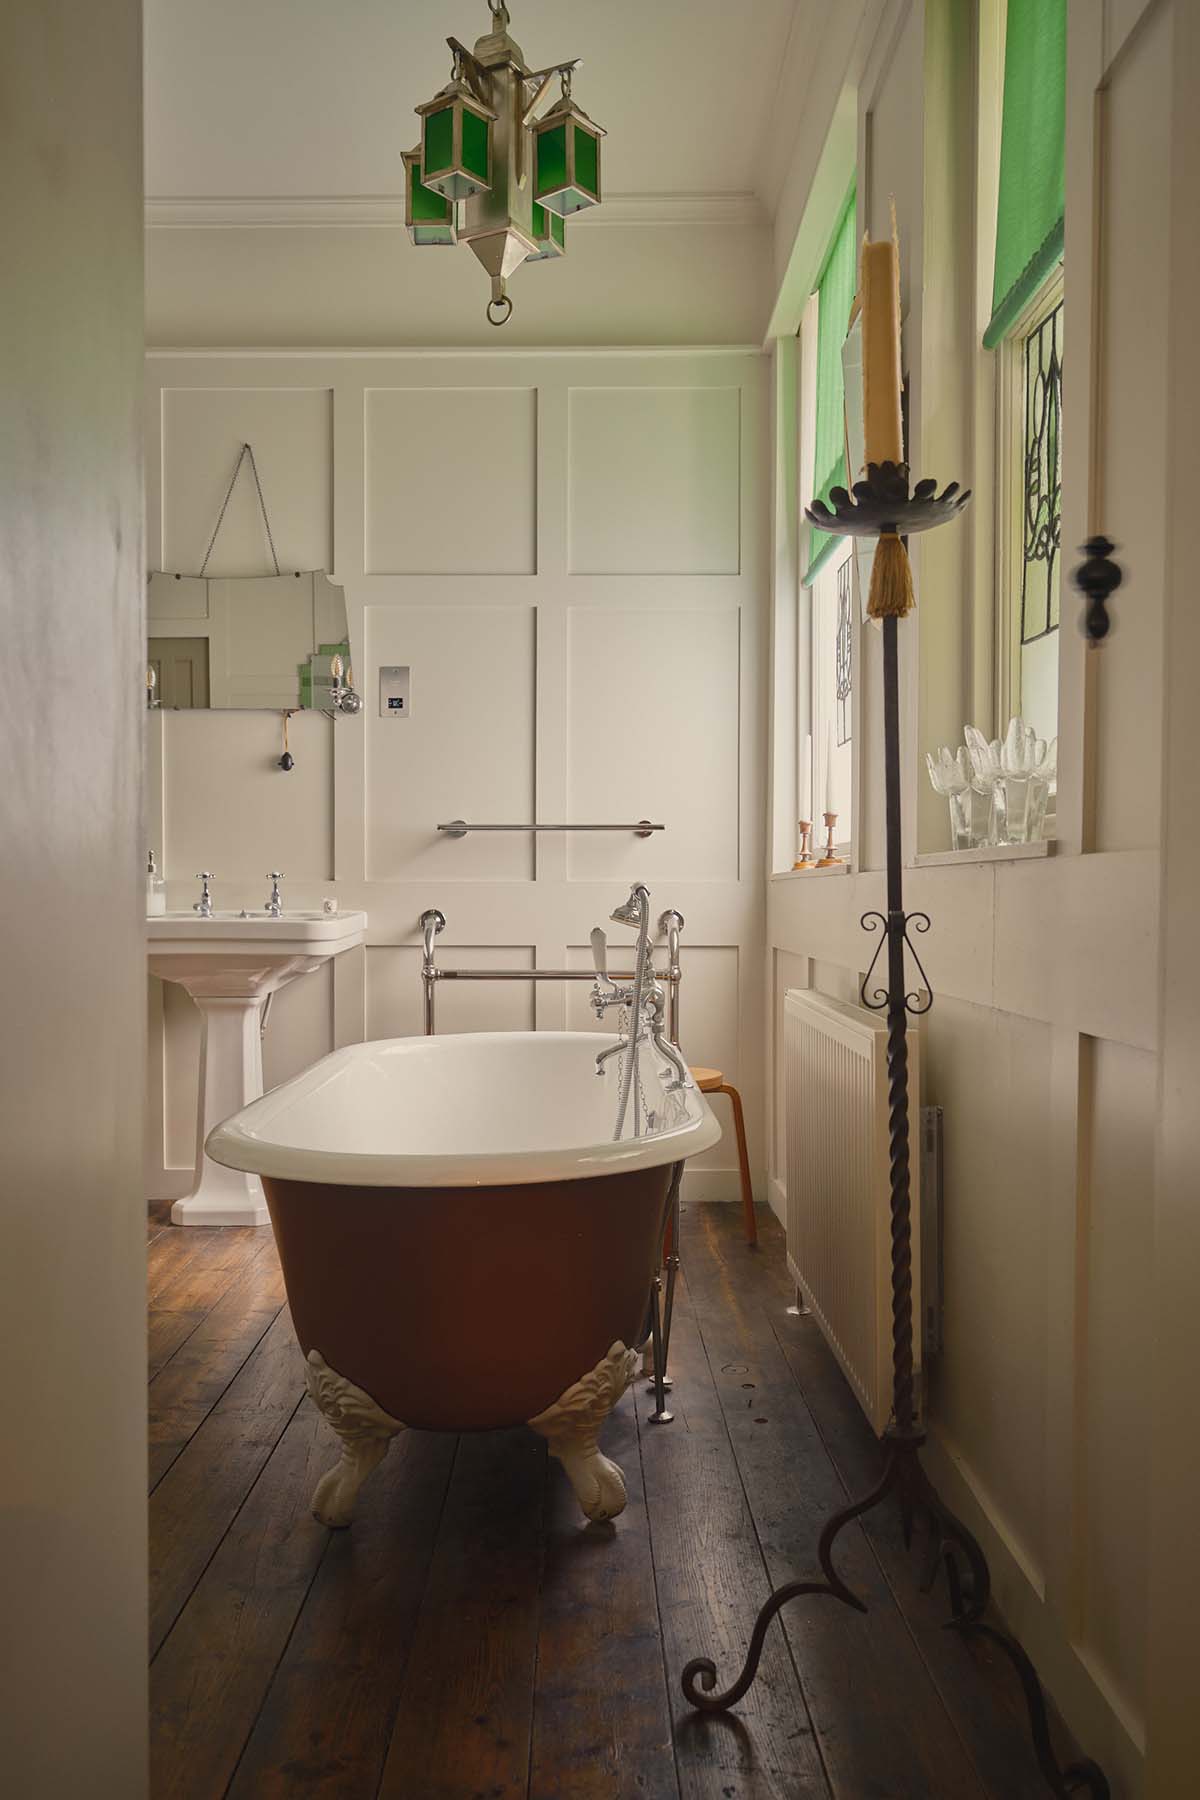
568	551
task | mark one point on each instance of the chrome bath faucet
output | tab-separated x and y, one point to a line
204	905
274	905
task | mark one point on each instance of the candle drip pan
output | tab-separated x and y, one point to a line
884	503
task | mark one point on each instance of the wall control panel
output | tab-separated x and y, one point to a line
394	701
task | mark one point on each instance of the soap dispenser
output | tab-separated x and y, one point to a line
156	889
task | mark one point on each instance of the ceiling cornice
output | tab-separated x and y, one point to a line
322	211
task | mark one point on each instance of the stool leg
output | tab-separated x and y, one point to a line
739	1127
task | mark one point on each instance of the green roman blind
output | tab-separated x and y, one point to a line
835	297
1029	218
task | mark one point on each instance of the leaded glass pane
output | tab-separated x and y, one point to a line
1041	524
844	649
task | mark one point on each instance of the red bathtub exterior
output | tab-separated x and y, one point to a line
467	1309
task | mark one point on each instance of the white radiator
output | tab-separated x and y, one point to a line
839	1238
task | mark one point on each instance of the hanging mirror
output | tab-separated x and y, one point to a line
278	641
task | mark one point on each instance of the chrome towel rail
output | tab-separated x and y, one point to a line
433	923
457	828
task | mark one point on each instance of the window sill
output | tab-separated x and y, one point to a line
842	868
993	853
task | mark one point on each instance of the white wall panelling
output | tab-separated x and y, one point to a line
451	478
653	481
537	692
653	733
467	749
200	436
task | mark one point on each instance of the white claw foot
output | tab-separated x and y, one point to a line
572	1425
364	1429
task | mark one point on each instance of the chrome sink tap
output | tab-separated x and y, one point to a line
274	905
204	905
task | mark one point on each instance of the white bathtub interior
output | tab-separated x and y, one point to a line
482	1107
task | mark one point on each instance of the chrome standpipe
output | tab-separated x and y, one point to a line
433	923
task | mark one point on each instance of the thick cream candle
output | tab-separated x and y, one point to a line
883	428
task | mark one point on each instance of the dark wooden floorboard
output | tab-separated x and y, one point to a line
207	1359
711	1580
166	1332
211	1676
198	1498
601	1722
471	1638
466	1704
327	1719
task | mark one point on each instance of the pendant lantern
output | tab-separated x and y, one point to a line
489	172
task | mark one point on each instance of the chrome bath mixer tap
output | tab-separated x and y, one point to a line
644	998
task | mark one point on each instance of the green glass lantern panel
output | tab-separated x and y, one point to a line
429	216
475	145
426	206
550	234
551	161
438	143
587	162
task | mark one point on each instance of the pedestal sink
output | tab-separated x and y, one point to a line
231	964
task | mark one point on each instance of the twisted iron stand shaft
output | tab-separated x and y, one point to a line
951	1545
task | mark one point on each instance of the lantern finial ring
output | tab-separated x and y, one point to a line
499	310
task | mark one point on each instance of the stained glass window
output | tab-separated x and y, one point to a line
1041	528
844	649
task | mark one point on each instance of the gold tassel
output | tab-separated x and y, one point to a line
891	593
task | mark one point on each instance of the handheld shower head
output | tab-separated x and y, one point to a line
634	910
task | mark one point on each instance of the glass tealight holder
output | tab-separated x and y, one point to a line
1025	798
976	810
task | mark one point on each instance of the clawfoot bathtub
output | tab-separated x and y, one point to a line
463	1244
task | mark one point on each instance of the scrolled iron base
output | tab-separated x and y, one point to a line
952	1547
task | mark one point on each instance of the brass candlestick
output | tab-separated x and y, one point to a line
827	859
804	855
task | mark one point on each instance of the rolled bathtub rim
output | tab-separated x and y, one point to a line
243	1140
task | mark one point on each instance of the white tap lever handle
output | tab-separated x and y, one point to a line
600	951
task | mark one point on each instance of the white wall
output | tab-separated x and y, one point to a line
569	552
72	1318
687	274
1046	1043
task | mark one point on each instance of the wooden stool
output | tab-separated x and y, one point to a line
711	1081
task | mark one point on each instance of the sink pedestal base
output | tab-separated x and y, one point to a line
230	1077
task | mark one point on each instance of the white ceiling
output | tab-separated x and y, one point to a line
314	98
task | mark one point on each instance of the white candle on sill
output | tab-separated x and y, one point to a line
829	768
806	782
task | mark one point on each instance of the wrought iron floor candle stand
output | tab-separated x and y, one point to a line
883	507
